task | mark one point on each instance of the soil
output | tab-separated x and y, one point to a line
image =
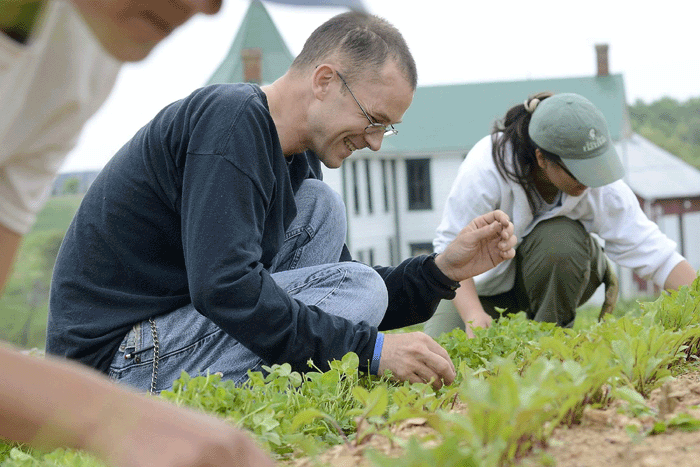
601	439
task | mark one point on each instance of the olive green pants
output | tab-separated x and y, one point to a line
559	266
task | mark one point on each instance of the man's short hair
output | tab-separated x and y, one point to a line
361	42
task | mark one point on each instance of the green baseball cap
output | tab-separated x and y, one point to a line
571	127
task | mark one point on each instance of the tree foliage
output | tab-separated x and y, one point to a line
71	186
670	124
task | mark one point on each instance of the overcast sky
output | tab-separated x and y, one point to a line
654	46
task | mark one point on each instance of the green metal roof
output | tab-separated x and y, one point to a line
454	117
441	118
257	31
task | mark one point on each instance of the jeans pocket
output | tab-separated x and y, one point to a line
130	349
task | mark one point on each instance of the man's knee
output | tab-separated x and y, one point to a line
323	201
373	298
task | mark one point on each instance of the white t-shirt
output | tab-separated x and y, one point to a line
49	87
611	211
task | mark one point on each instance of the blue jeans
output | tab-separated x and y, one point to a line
307	267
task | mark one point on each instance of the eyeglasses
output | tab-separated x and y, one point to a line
373	127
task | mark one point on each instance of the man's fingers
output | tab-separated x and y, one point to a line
416	357
429	377
440	367
489	231
494	216
441	352
501	217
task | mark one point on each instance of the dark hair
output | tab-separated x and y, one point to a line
362	42
513	130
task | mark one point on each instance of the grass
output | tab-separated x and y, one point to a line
24	303
57	214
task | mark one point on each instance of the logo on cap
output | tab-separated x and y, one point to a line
596	141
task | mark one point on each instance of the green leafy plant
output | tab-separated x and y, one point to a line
643	350
516	382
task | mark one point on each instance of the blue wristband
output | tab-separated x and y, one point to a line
378	344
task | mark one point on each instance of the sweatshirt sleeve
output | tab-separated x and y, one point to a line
631	239
415	289
475	191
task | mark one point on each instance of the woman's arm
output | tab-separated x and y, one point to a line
469	307
682	274
50	403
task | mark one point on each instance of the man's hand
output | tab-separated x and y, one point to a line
417	358
484	243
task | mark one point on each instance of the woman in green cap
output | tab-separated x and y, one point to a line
550	164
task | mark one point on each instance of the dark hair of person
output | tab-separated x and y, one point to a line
513	130
361	42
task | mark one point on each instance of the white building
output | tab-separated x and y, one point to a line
395	197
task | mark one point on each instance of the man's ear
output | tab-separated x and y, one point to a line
321	80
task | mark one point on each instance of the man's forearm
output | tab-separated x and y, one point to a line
414	292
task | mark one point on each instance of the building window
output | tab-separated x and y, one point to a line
423	248
355	187
418	178
369	187
392	252
371	257
385	183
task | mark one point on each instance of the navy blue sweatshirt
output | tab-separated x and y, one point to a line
193	209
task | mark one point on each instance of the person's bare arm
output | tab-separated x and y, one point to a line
9	243
682	274
50	403
469	307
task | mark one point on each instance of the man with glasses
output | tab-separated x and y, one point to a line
210	243
373	127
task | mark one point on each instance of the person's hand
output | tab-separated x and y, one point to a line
480	319
484	243
168	436
417	358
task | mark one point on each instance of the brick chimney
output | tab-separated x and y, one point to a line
601	51
252	65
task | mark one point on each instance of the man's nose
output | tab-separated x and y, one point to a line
374	140
208	7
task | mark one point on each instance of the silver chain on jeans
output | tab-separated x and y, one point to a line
156	351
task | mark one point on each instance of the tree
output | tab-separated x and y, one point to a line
672	125
71	186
